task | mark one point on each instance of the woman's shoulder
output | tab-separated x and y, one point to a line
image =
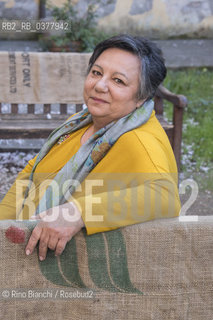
150	143
150	132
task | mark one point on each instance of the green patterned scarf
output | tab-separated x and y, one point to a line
89	154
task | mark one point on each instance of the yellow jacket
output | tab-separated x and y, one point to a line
135	182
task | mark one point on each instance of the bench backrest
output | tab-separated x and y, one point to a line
57	78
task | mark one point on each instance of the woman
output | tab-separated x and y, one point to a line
108	166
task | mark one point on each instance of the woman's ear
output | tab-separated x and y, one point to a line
140	103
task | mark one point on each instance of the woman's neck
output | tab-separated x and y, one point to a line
95	126
99	123
87	134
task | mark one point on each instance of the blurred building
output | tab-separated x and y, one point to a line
153	18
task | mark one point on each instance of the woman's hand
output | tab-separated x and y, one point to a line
56	227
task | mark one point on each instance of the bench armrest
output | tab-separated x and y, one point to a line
178	100
179	103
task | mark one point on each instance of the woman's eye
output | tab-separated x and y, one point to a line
117	80
96	73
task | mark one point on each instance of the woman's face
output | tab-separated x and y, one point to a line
111	86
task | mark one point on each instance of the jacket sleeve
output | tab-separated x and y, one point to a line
133	183
111	209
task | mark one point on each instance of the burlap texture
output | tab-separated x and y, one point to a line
156	270
43	77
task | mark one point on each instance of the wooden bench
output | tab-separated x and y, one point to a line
31	124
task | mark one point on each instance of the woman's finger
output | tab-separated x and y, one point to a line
43	243
60	246
35	236
52	242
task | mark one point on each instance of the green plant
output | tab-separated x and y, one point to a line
83	29
197	86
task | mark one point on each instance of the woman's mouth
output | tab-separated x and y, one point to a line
98	100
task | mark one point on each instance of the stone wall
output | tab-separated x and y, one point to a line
162	18
18	10
153	18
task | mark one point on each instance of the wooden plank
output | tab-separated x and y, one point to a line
63	108
31	108
33	117
47	108
178	100
16	122
24	134
177	133
158	105
78	107
164	123
28	125
22	145
33	128
28	129
14	108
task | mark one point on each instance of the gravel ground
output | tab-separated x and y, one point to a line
12	162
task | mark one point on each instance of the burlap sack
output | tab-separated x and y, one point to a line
42	77
158	270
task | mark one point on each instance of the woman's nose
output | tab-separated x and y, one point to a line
101	85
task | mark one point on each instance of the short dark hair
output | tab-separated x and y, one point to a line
153	70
